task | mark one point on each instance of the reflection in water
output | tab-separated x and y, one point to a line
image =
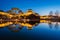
15	27
50	24
56	25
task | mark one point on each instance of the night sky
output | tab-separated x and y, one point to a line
43	7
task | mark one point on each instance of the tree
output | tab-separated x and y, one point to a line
29	10
1	11
15	9
57	13
20	11
51	13
9	11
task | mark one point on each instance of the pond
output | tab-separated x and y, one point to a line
41	31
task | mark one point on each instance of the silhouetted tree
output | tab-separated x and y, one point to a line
20	11
9	11
57	13
1	11
51	13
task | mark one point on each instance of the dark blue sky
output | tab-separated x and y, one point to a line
40	6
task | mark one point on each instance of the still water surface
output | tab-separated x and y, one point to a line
43	31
